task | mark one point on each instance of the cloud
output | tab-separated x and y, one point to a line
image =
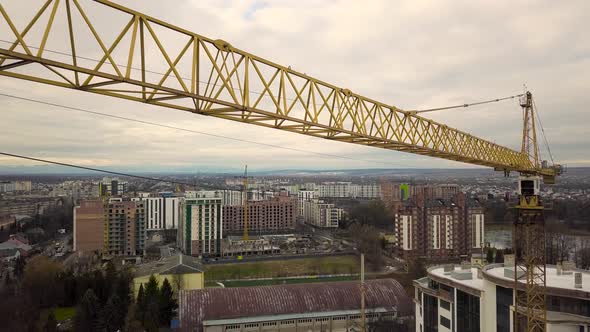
412	54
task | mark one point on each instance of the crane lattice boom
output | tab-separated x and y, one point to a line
211	77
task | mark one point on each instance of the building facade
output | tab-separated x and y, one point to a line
161	212
200	228
89	219
437	228
453	298
303	196
113	227
277	214
321	214
111	187
15	186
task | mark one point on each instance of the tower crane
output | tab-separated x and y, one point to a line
212	77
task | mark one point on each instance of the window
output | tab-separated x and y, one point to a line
444	321
445	305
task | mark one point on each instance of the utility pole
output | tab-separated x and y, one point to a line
363	317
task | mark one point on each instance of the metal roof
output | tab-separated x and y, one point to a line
177	264
196	306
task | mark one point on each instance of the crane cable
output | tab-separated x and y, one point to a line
96	169
543	132
465	105
270	145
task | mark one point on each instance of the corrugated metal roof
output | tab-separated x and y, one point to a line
196	306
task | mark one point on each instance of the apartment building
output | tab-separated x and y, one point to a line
321	214
274	215
162	210
467	298
200	229
112	187
113	227
302	196
439	228
15	186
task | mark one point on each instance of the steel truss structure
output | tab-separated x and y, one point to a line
530	311
211	77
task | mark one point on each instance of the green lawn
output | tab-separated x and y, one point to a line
283	268
61	313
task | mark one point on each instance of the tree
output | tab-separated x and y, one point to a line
167	303
416	269
87	313
41	281
132	321
499	256
490	256
19	267
151	288
113	315
141	303
51	323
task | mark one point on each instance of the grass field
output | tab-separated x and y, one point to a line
249	283
283	268
61	313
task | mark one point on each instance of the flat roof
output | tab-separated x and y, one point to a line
473	283
551	278
563	282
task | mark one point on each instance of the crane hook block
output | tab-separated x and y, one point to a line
222	45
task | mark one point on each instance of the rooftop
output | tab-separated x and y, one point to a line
564	281
456	275
213	304
177	264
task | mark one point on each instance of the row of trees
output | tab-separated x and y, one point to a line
155	305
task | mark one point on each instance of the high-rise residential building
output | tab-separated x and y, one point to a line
114	227
112	187
200	228
228	197
12	186
89	221
302	196
321	214
366	191
334	189
467	298
161	212
276	214
438	228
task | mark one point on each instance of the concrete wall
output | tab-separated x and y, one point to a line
185	281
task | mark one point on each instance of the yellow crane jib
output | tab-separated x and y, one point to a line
211	77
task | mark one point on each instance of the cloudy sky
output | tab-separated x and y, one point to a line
411	54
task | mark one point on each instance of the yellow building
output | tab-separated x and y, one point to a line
183	272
